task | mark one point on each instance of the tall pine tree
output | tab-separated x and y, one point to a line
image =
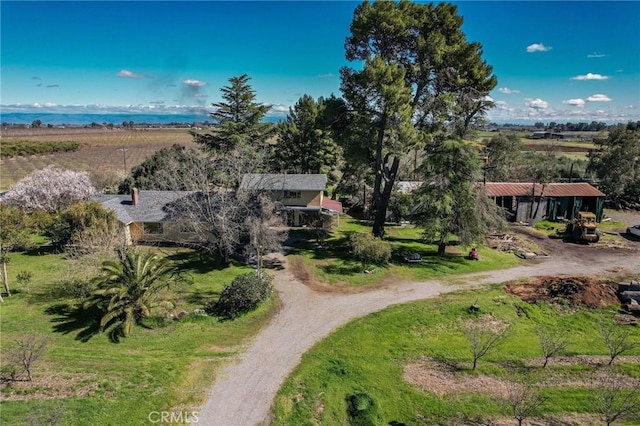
238	119
418	68
305	139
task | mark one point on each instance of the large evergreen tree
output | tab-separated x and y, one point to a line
238	118
451	201
419	69
168	169
305	140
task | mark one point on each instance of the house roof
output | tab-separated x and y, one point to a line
284	182
151	206
332	205
523	189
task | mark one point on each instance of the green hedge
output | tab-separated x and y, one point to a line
13	148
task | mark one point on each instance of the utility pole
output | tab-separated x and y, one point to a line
124	159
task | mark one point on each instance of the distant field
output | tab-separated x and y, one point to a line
578	147
100	149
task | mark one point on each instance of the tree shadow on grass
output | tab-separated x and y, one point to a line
68	319
193	261
41	250
202	297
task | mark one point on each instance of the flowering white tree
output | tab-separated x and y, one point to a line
51	189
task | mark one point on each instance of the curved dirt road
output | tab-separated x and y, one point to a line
245	390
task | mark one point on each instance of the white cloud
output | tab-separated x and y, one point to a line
537	103
507	91
129	74
596	55
279	109
327	75
590	76
487	98
575	102
195	83
537	47
598	98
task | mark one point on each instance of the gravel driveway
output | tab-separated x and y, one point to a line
246	387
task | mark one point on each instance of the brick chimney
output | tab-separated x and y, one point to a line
134	196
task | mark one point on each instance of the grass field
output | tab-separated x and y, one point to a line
334	266
411	365
164	365
100	150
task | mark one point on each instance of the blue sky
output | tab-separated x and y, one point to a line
555	61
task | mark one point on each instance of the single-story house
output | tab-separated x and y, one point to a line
146	216
552	201
299	196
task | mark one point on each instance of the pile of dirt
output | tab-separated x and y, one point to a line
576	290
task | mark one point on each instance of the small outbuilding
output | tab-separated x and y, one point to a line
529	202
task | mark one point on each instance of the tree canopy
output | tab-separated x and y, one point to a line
305	140
50	189
421	81
450	200
167	169
616	162
238	118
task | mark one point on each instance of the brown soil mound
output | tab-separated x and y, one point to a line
577	290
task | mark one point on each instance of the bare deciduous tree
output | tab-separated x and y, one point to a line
218	210
615	398
523	400
483	336
616	339
552	342
27	351
266	230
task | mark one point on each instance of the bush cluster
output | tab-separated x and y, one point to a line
84	227
243	295
13	148
370	250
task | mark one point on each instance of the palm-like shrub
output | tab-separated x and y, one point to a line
128	289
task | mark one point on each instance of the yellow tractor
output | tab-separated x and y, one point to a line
584	228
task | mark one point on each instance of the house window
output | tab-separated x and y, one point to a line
154	228
292	194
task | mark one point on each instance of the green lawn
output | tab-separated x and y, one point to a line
164	365
333	264
369	355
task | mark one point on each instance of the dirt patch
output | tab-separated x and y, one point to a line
442	379
445	379
575	290
53	385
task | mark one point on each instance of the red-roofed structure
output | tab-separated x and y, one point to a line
527	202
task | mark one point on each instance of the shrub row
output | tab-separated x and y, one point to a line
13	148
